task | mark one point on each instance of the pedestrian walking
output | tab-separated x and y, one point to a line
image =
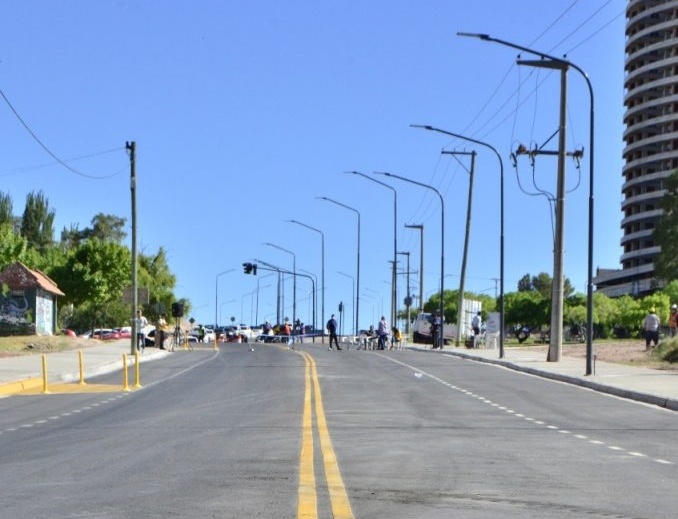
332	330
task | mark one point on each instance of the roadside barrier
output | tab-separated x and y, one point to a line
45	388
125	378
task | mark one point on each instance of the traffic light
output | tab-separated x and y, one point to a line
254	268
247	268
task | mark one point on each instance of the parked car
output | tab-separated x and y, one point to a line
109	335
97	333
209	334
125	332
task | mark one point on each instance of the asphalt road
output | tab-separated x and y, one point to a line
283	434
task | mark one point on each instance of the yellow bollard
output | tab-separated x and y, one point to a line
81	363
125	382
45	389
137	376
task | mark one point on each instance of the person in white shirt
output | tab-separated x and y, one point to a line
382	332
141	323
651	325
476	322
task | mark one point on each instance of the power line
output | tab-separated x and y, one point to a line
44	146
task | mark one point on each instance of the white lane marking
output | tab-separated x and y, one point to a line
528	419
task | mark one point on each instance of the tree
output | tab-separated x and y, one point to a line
543	283
37	223
94	276
71	238
6	209
525	283
526	308
671	290
105	227
666	232
449	305
154	273
13	246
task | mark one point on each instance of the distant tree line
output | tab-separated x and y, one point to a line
530	305
91	266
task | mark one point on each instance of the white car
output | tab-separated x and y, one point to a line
209	334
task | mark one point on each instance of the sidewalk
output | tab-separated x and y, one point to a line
651	386
646	385
25	372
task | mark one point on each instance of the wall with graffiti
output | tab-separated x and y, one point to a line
16	313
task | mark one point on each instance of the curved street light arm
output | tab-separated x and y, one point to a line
501	225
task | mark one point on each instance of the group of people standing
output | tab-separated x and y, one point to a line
386	337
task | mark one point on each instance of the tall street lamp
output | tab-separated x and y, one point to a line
221	308
394	277
357	292
589	282
216	295
501	224
322	272
420	228
294	279
352	289
256	311
441	341
314	280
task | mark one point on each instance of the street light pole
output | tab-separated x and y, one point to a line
357	291
441	340
589	282
501	224
216	295
353	293
313	279
322	273
294	280
394	277
420	228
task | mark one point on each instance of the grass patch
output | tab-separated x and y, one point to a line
27	344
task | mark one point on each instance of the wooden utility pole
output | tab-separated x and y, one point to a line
131	148
557	287
460	309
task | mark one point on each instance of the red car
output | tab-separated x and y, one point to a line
109	335
125	332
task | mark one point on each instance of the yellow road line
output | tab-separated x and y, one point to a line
339	502
307	504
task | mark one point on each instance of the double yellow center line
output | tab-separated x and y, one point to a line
307	506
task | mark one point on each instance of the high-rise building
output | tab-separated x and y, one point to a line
651	140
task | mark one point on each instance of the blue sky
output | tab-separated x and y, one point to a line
244	113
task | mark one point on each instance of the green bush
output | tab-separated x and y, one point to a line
668	350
